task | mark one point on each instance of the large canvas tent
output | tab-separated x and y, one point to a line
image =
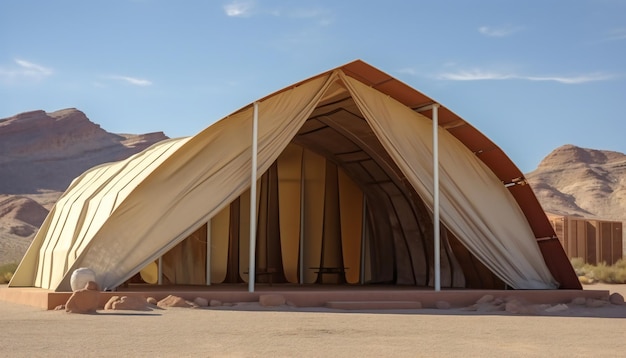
345	178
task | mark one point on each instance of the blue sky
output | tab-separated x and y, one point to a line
531	75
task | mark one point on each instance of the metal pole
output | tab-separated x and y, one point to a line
436	197
208	253
301	251
160	271
255	132
363	240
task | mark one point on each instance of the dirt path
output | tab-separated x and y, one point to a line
252	331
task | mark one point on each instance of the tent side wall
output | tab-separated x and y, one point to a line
180	195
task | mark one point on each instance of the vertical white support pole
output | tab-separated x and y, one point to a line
160	271
436	197
301	251
252	265
208	253
363	241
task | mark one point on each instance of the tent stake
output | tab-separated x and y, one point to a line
436	197
252	264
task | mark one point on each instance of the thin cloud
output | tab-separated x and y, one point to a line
481	75
498	31
323	16
23	69
239	8
133	80
617	35
408	71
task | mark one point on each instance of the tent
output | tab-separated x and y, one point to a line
345	179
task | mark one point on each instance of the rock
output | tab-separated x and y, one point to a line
594	303
485	299
579	301
80	277
151	301
616	299
130	303
215	303
109	304
271	300
173	301
201	301
442	305
557	308
84	300
489	307
513	306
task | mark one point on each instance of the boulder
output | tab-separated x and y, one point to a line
84	300
151	301
80	277
109	304
557	308
489	307
201	301
174	301
271	300
130	303
594	303
215	303
616	299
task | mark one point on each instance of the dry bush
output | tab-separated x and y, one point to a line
602	272
6	272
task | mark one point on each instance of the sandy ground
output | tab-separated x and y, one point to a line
252	331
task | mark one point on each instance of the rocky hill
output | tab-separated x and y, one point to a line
40	154
582	182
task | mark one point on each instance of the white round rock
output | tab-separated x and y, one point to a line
80	278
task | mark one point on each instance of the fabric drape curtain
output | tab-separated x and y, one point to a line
83	208
195	182
475	205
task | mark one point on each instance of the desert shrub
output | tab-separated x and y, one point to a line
6	272
602	272
578	263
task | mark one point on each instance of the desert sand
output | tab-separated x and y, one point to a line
253	331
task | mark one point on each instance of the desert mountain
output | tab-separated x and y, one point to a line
40	154
582	182
45	151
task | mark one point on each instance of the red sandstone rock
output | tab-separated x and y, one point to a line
130	303
174	301
109	304
84	300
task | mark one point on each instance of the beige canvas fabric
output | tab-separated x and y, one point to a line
117	218
81	211
134	224
474	204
